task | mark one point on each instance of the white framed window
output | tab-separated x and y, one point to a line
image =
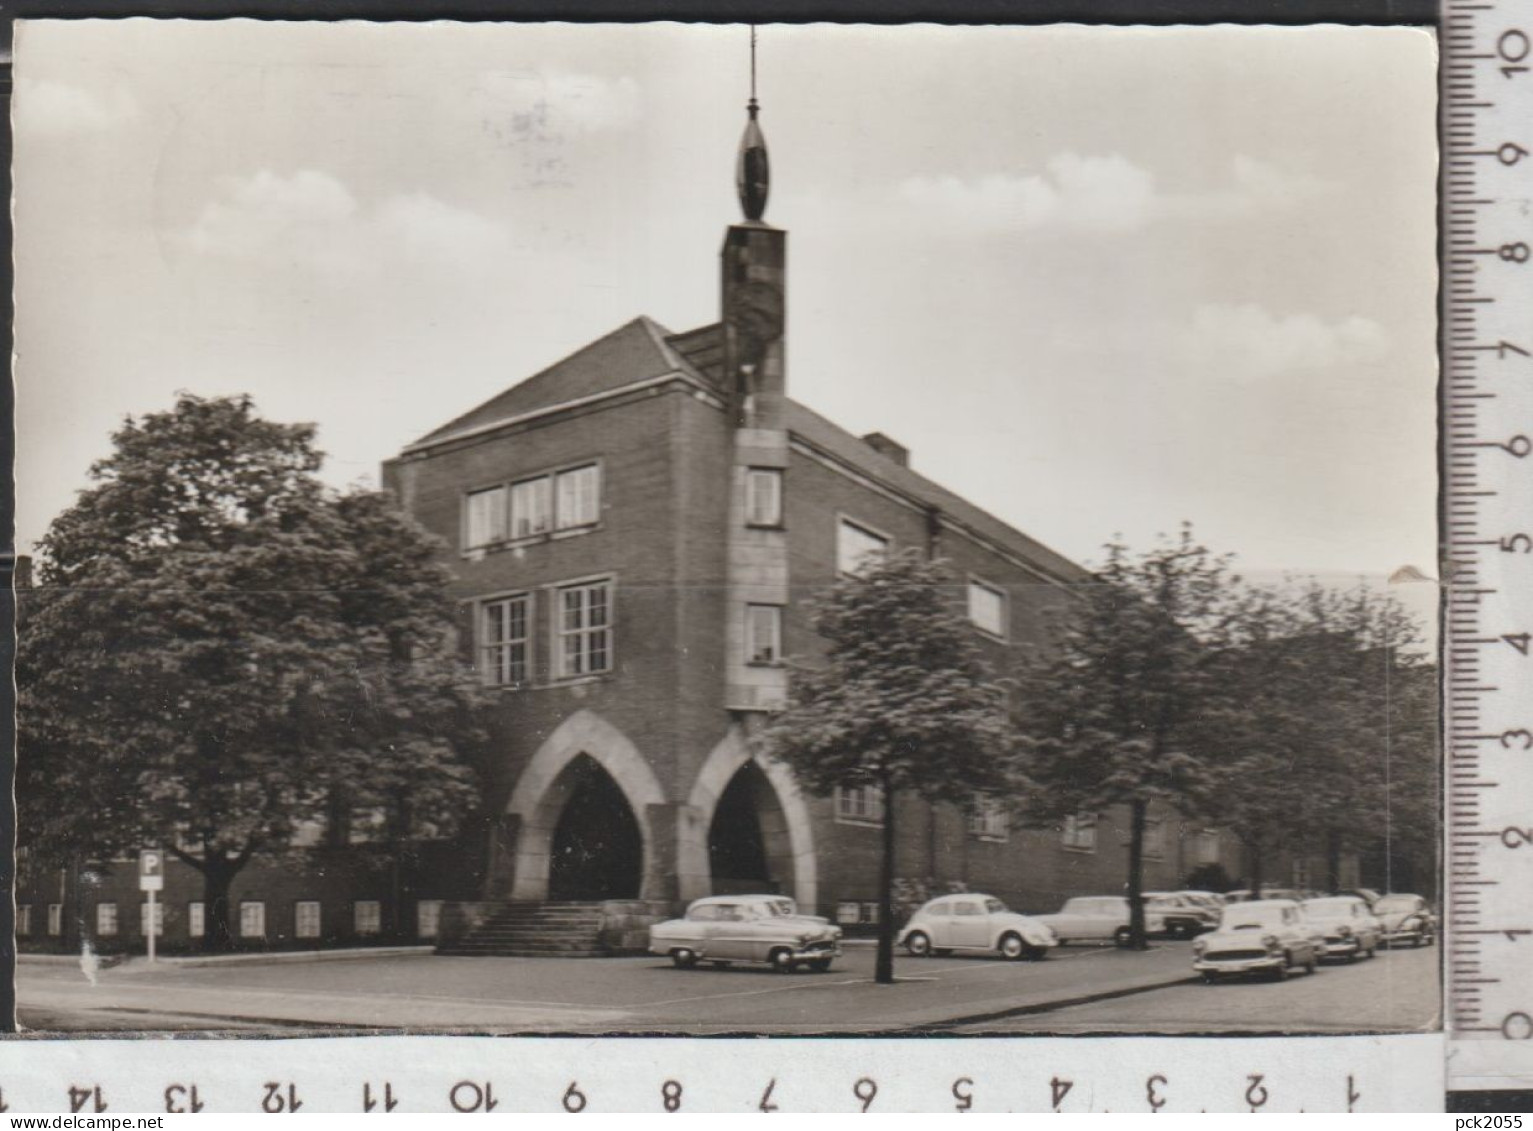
763	634
505	651
306	919
987	820
1080	832
428	917
23	918
860	804
585	629
856	545
485	520
578	497
367	825
367	917
531	507
106	919
252	919
55	919
159	919
1154	838
196	919
1205	847
763	496
987	608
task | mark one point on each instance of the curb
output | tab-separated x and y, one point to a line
261	958
1055	1003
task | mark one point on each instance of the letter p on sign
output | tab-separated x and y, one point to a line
151	870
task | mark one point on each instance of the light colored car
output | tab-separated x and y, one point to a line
1098	918
975	922
1244	895
724	929
1261	936
1406	917
1184	916
1350	928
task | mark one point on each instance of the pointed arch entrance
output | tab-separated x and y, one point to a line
583	808
752	829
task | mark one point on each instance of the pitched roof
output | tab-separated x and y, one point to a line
841	444
635	351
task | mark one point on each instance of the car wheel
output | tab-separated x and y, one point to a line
1281	973
684	959
918	945
1012	947
1122	936
782	960
819	965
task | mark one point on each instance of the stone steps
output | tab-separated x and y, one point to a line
536	930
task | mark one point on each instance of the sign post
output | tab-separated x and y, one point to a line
151	879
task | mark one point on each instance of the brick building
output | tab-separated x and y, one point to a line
632	534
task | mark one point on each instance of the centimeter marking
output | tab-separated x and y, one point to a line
1486	131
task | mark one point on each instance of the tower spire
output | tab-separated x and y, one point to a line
752	175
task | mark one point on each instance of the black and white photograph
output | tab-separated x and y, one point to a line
690	530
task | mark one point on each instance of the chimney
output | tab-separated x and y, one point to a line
888	448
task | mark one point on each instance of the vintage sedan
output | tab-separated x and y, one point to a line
1183	915
1350	928
974	922
1098	918
1262	936
724	929
1406	918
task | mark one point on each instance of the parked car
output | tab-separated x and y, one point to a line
1406	917
1351	929
1244	895
975	922
1261	936
1098	918
1211	899
723	929
1183	916
1367	895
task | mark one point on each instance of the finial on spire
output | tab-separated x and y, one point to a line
752	177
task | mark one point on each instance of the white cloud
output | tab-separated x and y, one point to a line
551	101
1101	195
1246	342
48	108
311	218
1075	193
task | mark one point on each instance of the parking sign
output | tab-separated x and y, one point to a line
151	870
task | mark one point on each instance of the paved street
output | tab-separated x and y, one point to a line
1145	991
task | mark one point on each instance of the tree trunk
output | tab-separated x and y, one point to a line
1136	930
1333	861
217	877
1254	859
884	968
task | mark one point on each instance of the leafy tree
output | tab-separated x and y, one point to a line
220	650
902	703
1112	709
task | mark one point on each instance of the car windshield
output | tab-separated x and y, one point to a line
1396	903
1329	908
1250	916
995	907
780	907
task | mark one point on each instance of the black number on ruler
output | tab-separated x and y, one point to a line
369	1101
865	1089
1060	1089
1520	735
1517	446
1513	47
1516	544
79	1097
1510	153
1256	1095
670	1095
766	1103
468	1096
181	1099
574	1098
1513	252
1518	640
1504	348
274	1102
1513	837
1517	1026
965	1098
1152	1094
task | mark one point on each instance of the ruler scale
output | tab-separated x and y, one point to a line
1487	448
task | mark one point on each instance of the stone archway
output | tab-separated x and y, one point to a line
788	847
554	778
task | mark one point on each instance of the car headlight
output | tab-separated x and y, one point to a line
1345	932
1199	946
1270	942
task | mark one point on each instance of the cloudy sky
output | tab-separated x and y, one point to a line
1097	280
